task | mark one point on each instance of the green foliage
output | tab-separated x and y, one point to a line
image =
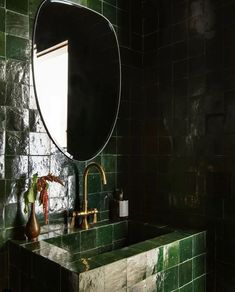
31	195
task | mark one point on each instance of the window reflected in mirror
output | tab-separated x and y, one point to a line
51	76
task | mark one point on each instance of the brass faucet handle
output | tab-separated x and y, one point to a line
95	216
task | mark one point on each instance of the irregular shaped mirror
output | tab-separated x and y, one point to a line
77	75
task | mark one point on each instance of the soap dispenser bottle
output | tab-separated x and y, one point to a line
119	206
123	206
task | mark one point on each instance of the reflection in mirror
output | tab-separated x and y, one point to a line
53	62
76	70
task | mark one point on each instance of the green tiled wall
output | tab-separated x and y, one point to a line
183	126
25	148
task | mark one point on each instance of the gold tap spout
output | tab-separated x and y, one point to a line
85	224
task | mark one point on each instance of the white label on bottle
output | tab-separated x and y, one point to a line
123	208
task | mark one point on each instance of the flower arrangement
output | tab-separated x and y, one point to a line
40	185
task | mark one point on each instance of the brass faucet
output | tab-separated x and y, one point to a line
85	211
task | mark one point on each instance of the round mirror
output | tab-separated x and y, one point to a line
77	76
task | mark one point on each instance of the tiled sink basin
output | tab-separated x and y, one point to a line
121	256
106	237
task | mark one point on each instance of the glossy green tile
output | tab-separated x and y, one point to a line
171	255
115	276
186	249
160	257
92	280
17	143
88	239
17	24
199	284
18	6
17	48
119	243
185	273
136	269
2	191
187	288
2	44
17	95
104	235
17	71
94	183
95	5
199	243
120	230
109	163
90	253
71	242
2	92
17	119
2	123
110	12
144	246
55	240
2	19
16	167
33	6
160	281
199	265
171	279
154	261
2	3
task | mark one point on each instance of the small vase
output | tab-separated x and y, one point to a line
32	228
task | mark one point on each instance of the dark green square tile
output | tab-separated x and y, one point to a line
55	241
71	242
2	95
33	6
16	167
16	119
88	239
17	71
2	191
94	202
2	123
160	281
171	254
17	48
95	5
199	265
109	163
17	24
185	273
120	230
185	249
199	244
17	95
104	235
2	3
199	284
94	183
17	143
18	6
187	288
171	279
2	44
112	2
2	19
159	264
